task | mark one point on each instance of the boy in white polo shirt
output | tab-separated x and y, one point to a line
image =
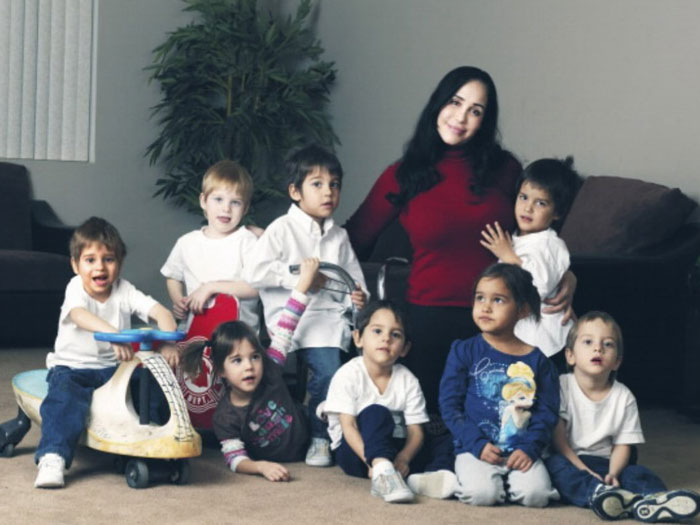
307	230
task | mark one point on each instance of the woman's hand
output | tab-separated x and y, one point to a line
561	302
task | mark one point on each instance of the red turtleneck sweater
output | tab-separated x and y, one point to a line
444	225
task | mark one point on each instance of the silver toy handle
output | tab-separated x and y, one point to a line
341	273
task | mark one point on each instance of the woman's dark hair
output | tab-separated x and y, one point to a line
365	315
223	341
556	177
417	172
519	284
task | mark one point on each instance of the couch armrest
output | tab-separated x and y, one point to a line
49	233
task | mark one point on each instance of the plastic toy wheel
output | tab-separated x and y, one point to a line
136	474
7	451
180	474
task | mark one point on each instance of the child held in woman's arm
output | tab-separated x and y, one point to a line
546	190
376	408
499	397
257	422
599	423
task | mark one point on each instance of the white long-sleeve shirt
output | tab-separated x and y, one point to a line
288	240
546	257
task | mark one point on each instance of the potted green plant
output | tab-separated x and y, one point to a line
237	82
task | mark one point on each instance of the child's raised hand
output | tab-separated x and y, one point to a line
273	471
198	299
358	297
491	454
519	460
308	273
123	351
499	243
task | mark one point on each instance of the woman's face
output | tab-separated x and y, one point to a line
460	119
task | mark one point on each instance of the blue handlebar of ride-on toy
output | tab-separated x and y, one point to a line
139	336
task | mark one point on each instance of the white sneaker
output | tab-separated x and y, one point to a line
391	487
441	484
50	475
319	453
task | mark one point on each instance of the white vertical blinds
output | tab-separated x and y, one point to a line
45	79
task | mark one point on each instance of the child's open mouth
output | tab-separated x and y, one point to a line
597	360
225	220
100	281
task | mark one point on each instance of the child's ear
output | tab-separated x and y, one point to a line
569	354
74	265
294	193
356	337
406	349
202	201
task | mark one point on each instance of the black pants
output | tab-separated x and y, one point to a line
432	330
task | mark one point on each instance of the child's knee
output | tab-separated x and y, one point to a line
536	497
485	494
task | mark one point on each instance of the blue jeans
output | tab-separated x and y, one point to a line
376	426
323	363
65	408
576	486
67	405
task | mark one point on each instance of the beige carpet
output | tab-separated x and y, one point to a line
95	494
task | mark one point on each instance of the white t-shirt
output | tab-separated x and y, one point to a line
77	348
546	257
593	427
352	390
196	259
288	240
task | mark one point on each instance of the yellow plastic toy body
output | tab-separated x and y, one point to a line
113	424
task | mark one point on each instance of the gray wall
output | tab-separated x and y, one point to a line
613	83
118	185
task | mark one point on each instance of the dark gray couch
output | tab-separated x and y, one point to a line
34	263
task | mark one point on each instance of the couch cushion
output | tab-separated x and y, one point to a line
24	271
15	217
613	215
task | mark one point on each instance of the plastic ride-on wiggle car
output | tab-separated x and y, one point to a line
144	451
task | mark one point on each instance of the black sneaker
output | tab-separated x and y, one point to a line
613	503
673	505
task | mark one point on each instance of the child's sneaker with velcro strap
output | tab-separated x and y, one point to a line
613	503
391	487
440	484
50	476
319	453
669	506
